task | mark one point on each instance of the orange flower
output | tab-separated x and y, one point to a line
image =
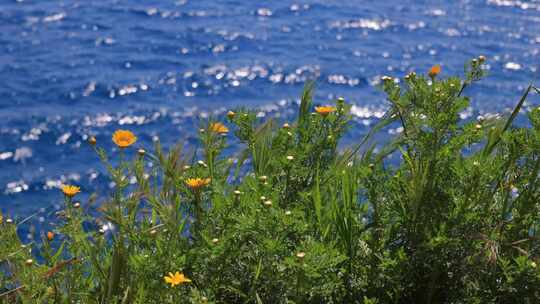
50	236
219	128
325	110
197	183
124	138
434	71
70	190
176	279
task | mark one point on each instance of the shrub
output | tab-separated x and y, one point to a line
296	220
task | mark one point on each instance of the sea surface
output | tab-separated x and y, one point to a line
74	68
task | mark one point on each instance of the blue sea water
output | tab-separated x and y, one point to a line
73	68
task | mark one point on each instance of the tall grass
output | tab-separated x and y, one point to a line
297	220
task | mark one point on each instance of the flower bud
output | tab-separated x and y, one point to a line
301	255
231	114
434	71
268	203
92	140
286	126
290	157
141	152
215	240
29	262
50	291
50	236
77	205
481	58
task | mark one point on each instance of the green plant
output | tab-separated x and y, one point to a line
293	218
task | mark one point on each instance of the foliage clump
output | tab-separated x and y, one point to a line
295	219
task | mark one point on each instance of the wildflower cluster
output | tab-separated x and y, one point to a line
292	218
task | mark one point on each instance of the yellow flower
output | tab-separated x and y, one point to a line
197	183
70	190
219	128
124	138
434	71
176	279
325	110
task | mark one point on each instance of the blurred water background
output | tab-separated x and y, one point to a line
70	68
